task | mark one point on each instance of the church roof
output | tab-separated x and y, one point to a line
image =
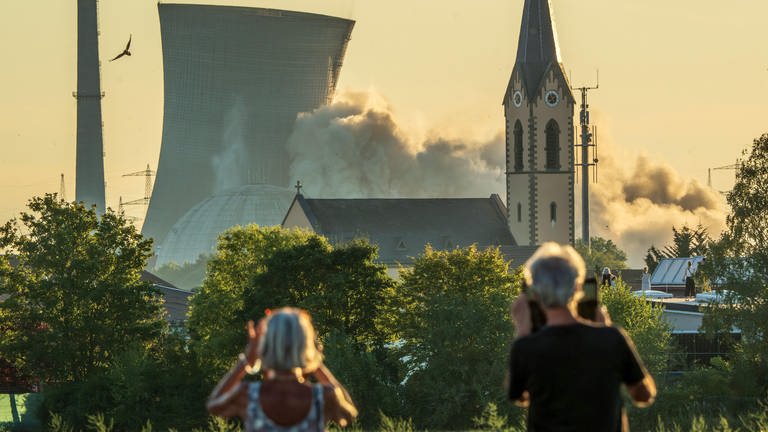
537	47
401	227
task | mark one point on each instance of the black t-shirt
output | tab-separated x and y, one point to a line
572	374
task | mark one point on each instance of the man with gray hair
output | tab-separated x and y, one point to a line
569	372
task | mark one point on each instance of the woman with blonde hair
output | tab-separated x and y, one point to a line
283	345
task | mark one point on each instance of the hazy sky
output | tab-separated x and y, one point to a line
684	82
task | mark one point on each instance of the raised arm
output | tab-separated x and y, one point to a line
338	404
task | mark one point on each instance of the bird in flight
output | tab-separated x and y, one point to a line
126	51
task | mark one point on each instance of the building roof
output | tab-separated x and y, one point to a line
671	271
176	301
537	47
197	232
401	227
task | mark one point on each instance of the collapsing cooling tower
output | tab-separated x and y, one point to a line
235	80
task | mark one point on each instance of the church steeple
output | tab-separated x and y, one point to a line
537	47
538	108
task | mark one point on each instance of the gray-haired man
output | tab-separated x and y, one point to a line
570	372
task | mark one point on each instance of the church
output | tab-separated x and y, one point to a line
538	110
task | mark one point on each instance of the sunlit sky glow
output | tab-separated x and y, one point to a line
684	82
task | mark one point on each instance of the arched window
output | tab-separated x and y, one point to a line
553	212
518	137
552	147
519	212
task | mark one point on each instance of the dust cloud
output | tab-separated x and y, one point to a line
354	148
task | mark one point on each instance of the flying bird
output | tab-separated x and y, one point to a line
126	51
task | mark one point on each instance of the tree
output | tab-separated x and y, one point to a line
601	253
455	332
217	310
349	295
739	262
74	298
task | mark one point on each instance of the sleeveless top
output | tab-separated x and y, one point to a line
257	420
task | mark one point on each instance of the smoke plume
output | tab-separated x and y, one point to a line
354	148
637	204
228	163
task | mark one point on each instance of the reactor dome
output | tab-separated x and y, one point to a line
197	231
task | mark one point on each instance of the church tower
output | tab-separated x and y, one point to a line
538	108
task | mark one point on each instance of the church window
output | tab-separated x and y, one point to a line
553	212
518	147
552	146
519	212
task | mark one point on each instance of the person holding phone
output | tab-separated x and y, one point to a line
283	345
569	373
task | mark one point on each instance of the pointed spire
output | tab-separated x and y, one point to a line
537	46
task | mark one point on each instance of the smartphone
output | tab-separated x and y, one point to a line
538	317
587	306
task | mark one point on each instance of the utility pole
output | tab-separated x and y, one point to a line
588	139
147	174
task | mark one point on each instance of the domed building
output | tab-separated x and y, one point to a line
197	231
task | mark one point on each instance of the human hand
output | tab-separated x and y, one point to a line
520	313
254	335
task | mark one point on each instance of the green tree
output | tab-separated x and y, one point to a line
455	332
74	298
217	310
601	253
349	295
739	262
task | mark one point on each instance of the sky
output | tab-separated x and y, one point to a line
683	84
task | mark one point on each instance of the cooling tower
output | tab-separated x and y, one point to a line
235	80
89	170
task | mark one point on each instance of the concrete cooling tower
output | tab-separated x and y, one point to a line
235	80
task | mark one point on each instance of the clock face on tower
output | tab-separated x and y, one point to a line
517	99
552	98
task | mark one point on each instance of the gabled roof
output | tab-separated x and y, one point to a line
537	47
401	227
671	271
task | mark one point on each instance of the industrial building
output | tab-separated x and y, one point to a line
89	187
235	80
